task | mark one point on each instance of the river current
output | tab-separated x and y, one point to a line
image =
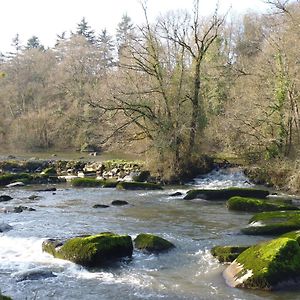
187	272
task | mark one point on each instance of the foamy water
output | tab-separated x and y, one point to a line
187	272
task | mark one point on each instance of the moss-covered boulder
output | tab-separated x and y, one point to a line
152	243
273	223
6	179
293	235
138	186
227	254
91	182
257	205
27	178
266	266
225	194
91	251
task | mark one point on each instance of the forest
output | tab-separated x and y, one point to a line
173	89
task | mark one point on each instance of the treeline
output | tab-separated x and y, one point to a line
176	88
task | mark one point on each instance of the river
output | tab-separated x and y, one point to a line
187	272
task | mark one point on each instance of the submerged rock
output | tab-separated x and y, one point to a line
138	186
33	197
152	243
100	206
91	251
266	266
119	202
34	275
226	254
176	194
4	198
20	208
225	194
5	227
273	223
51	189
257	205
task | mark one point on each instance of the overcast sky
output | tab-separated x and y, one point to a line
46	18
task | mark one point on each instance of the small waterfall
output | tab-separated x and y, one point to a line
222	178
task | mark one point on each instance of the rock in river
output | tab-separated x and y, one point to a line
100	206
152	243
273	223
266	266
225	194
119	202
5	227
226	254
91	251
4	198
257	205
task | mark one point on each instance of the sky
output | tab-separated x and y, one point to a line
46	18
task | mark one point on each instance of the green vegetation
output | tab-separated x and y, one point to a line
257	205
28	179
226	254
91	251
295	235
273	223
91	182
152	243
266	265
9	178
138	186
225	194
181	111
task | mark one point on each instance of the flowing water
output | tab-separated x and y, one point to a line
188	272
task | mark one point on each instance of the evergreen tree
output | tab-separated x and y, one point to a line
34	43
106	47
84	29
125	34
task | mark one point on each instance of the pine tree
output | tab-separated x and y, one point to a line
106	48
34	43
84	29
125	34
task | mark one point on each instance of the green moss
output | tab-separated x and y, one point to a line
295	235
271	263
27	166
225	194
227	253
92	251
9	178
257	205
273	223
138	186
152	243
91	182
